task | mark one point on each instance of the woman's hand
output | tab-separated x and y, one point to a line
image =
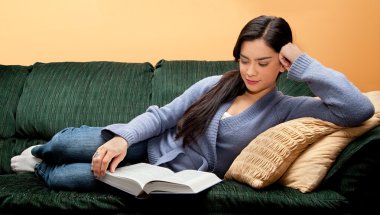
110	153
288	54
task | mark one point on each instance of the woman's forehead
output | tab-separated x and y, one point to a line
256	49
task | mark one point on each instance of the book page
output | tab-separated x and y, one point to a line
142	173
158	179
186	181
132	178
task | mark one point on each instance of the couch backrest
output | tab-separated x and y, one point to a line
171	78
65	94
292	88
12	80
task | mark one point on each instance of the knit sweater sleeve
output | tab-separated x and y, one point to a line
339	100
157	119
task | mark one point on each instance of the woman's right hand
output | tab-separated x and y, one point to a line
109	154
288	54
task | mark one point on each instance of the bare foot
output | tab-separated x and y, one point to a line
25	162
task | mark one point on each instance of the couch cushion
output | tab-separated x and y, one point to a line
12	80
234	197
65	94
26	191
171	78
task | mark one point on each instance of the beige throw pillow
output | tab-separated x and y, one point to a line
309	169
269	155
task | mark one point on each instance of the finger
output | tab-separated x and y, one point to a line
96	162
93	163
105	162
115	162
96	166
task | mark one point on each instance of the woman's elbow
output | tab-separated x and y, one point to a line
366	111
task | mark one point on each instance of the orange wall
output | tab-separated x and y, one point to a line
342	34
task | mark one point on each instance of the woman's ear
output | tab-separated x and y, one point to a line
285	63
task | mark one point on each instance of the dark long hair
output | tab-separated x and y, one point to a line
276	32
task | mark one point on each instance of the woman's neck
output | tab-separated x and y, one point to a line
254	96
246	100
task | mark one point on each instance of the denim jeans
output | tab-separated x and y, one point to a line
67	158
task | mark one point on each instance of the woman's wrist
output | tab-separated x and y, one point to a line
121	140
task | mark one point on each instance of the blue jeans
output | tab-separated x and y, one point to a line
67	158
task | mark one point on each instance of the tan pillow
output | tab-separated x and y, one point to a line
309	169
264	160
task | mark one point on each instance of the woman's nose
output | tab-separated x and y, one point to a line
251	71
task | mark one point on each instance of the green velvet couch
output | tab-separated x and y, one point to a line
40	99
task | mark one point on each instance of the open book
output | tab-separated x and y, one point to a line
143	178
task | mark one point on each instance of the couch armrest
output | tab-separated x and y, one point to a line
354	174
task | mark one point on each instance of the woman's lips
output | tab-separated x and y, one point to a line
251	82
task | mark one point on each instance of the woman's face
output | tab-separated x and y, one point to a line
259	66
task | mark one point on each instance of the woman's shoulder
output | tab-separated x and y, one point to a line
208	81
211	79
202	85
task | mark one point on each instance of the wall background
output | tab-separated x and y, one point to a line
342	34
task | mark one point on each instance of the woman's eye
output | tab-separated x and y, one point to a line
243	62
263	64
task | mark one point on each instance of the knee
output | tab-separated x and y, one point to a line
73	181
64	132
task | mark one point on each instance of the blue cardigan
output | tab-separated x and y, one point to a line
340	102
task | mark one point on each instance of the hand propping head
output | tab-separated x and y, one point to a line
288	54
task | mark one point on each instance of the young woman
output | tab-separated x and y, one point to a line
207	126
